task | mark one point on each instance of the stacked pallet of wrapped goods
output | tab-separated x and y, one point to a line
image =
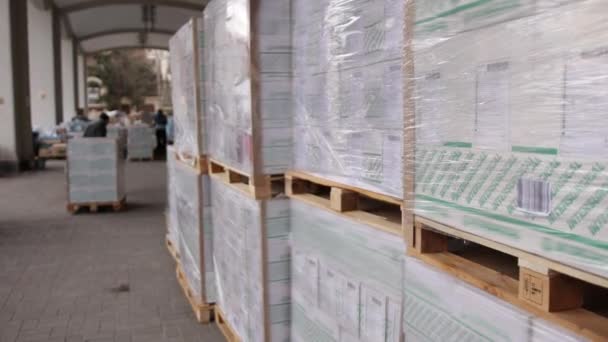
505	149
246	77
95	174
141	142
189	236
345	183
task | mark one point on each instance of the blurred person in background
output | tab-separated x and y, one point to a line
99	128
160	123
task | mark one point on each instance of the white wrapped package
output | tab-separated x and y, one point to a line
346	278
194	226
510	123
189	125
438	307
172	225
252	262
348	92
247	96
95	171
141	141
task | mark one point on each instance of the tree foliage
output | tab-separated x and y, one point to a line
125	75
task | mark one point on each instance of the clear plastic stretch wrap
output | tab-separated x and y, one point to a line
95	171
346	278
440	308
509	116
189	127
141	141
247	94
119	133
172	231
252	262
193	207
348	82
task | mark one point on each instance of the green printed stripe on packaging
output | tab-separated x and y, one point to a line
484	176
453	159
436	165
537	150
531	226
565	178
453	178
463	186
460	144
497	180
454	10
584	183
591	203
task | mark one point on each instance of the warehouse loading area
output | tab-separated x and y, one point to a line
336	170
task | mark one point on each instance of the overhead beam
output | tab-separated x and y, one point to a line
123	30
81	6
129	47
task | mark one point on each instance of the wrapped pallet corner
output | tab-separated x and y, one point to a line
247	86
194	232
171	212
95	172
506	149
439	307
252	261
141	142
347	89
188	116
346	278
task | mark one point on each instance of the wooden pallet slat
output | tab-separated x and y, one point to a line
378	210
94	207
172	249
264	187
545	288
202	311
197	162
229	334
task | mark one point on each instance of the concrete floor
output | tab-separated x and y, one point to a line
60	275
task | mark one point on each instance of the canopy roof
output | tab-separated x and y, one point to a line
108	24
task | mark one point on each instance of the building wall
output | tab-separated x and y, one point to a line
42	86
67	79
81	82
7	113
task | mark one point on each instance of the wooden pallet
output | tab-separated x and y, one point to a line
566	296
197	162
268	186
202	311
229	334
172	249
94	207
378	210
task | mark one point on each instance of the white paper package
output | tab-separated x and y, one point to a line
346	278
193	219
252	261
347	88
188	116
141	141
171	211
95	171
236	115
510	124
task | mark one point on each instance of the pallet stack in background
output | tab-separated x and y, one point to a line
247	77
141	142
505	149
189	236
95	171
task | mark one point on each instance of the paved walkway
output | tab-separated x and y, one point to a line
90	277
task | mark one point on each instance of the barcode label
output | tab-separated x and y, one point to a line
534	196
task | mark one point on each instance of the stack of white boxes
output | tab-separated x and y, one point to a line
348	92
95	171
510	124
141	141
190	225
346	283
252	263
189	118
228	95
